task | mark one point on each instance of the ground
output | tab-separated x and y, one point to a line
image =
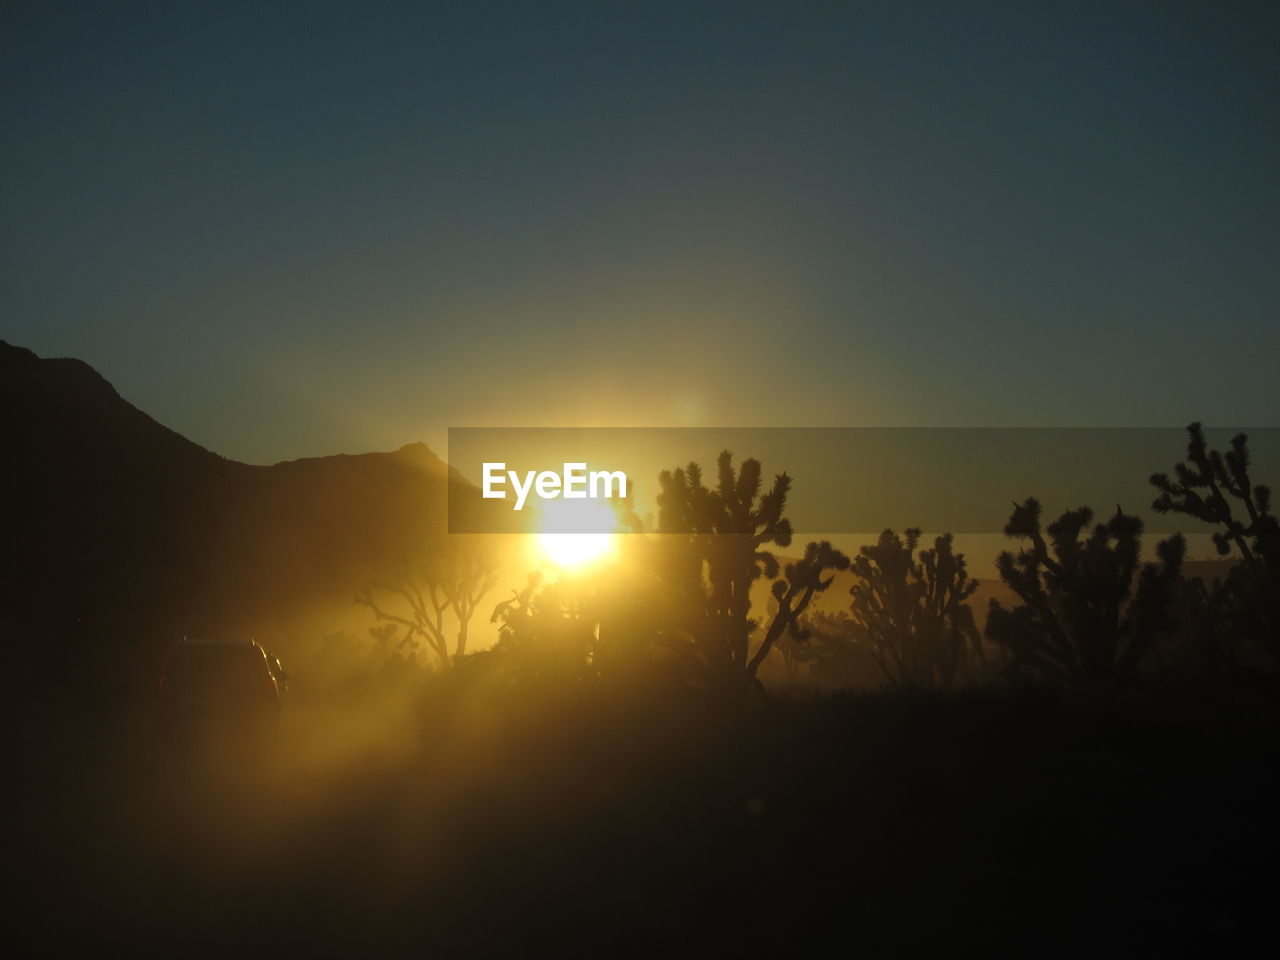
584	820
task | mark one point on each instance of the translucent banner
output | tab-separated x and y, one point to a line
843	480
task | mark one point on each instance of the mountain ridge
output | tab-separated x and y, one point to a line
124	533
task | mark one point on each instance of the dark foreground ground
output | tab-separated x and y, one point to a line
597	822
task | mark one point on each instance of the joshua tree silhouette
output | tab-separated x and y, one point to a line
1239	612
1201	486
452	582
722	550
913	612
1081	616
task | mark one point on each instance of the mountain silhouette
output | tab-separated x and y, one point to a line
122	535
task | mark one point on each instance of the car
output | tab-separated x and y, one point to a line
218	687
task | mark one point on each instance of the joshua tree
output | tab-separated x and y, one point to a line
473	570
791	649
792	646
1081	616
913	611
452	581
793	592
600	626
722	550
1216	488
1205	485
544	631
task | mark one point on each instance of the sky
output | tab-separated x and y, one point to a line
296	230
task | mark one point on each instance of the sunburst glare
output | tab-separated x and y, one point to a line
577	532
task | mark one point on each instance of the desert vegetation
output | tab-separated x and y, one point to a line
770	740
710	595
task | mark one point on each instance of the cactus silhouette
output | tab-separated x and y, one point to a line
1205	485
913	611
1239	614
1081	615
722	550
792	594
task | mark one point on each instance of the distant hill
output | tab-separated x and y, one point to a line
120	535
119	531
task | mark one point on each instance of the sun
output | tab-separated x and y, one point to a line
576	532
574	549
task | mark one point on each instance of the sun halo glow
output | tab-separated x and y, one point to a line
591	539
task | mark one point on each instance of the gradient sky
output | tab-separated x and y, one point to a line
293	231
